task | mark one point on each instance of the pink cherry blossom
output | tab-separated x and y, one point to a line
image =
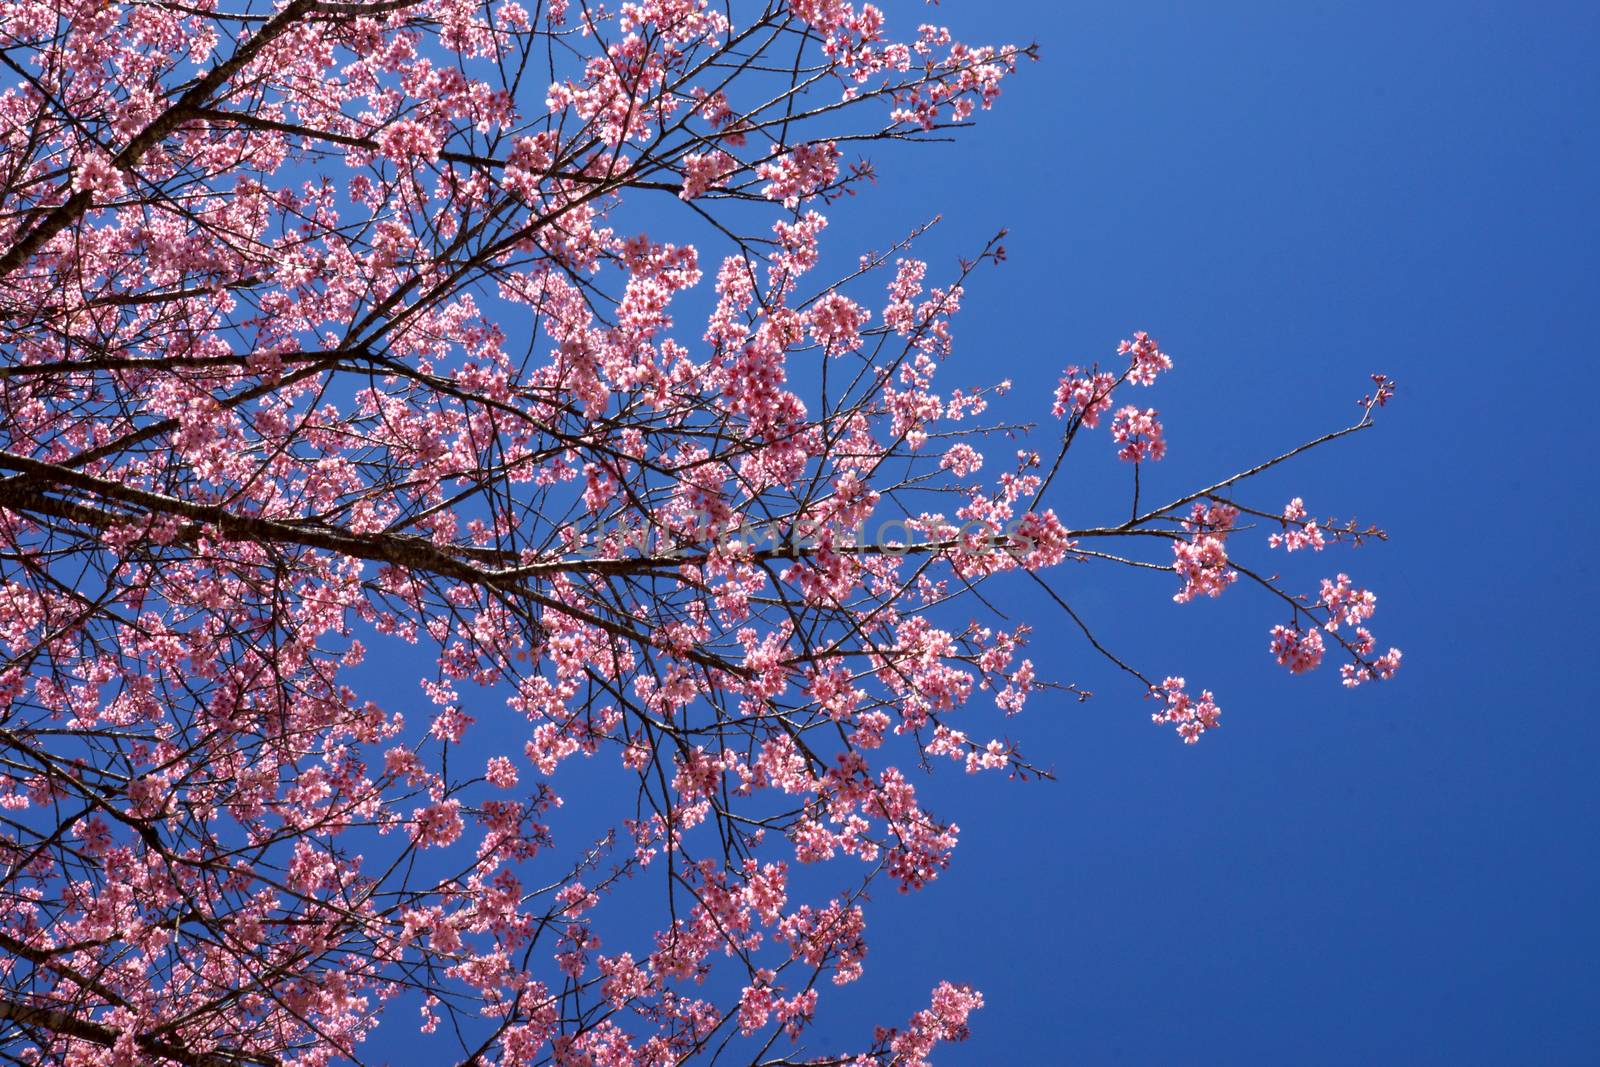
704	170
1145	358
1192	716
464	544
1298	531
799	173
1203	565
1086	394
1139	433
1297	650
1345	603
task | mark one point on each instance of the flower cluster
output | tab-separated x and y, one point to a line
1190	715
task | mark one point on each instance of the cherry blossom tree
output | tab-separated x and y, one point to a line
331	329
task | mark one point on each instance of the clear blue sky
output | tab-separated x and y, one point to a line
1291	195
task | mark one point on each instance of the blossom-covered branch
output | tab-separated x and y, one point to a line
342	341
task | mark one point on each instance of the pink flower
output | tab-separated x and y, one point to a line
1384	668
1146	360
501	772
437	825
961	460
1346	603
1299	532
98	176
944	1020
410	140
451	724
836	323
800	173
1203	565
822	15
1086	394
1041	540
1192	716
704	170
1139	434
1297	650
755	1004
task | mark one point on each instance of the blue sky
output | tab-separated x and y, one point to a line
1291	196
